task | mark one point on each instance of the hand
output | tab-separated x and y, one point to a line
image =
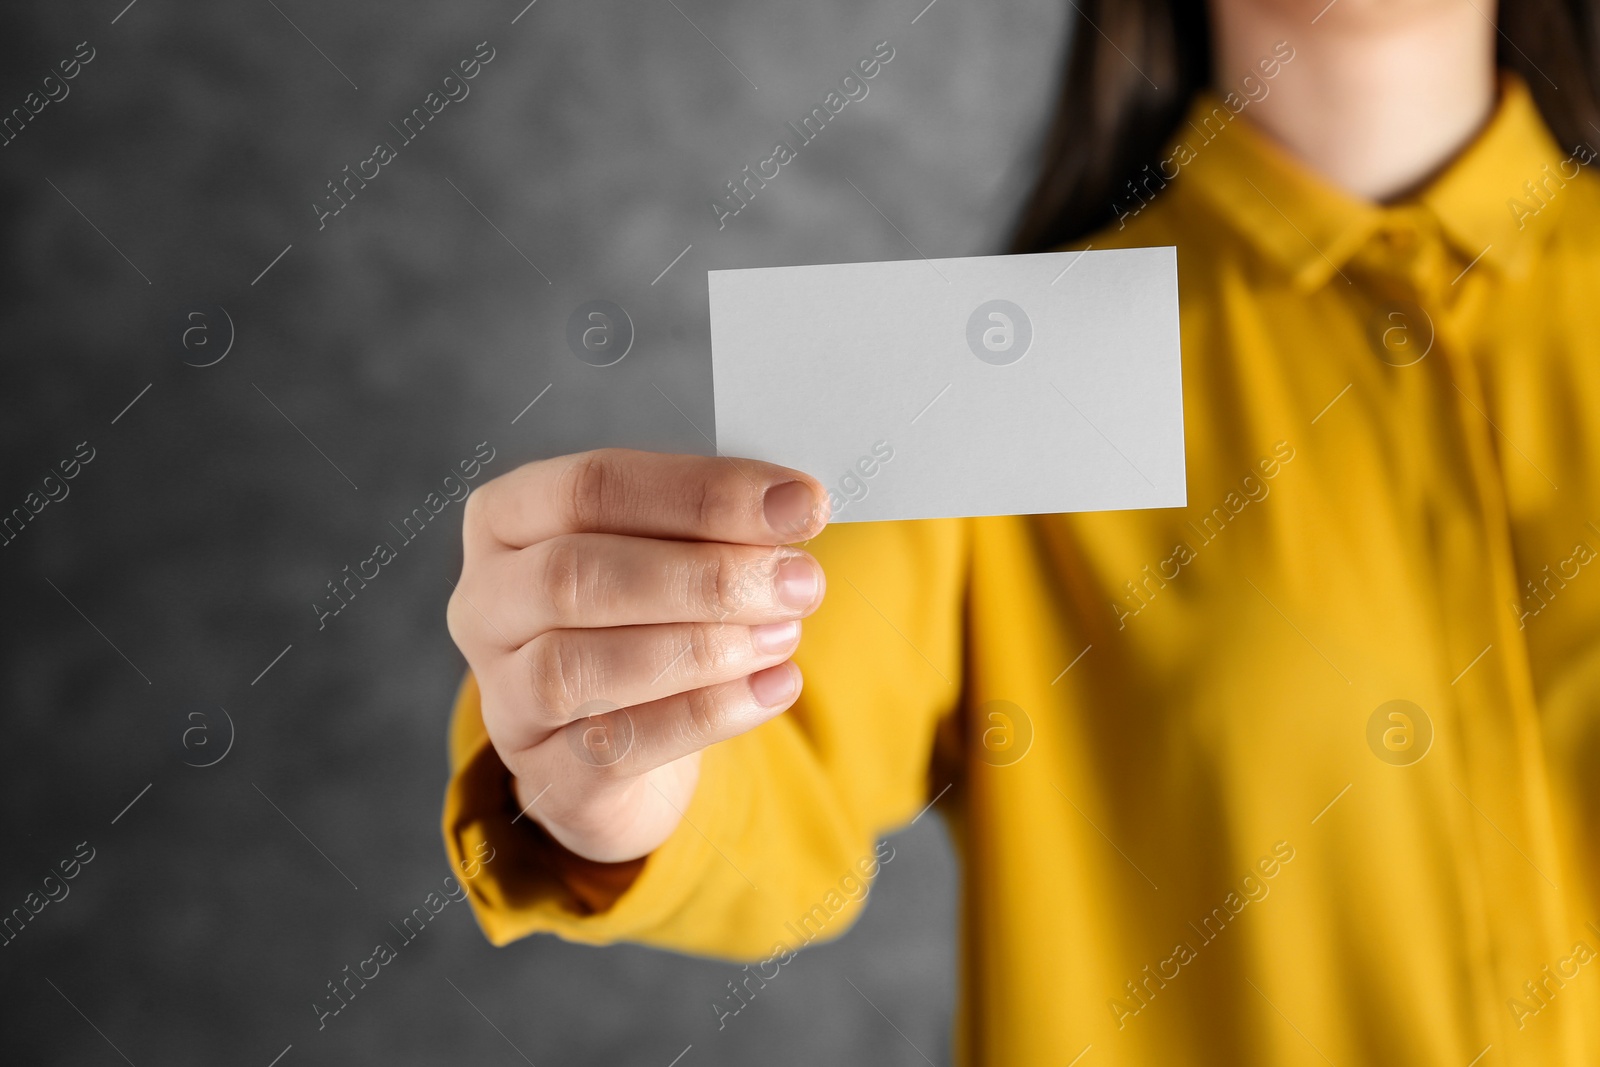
623	610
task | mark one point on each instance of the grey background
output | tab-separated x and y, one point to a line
188	552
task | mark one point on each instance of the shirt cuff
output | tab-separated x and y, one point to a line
521	882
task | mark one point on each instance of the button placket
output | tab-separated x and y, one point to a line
1504	722
1405	271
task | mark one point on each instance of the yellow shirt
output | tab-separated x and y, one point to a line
1196	828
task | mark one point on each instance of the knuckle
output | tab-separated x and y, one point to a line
585	487
470	628
741	584
460	618
455	619
563	580
714	502
702	715
555	673
716	590
710	651
479	509
602	741
473	519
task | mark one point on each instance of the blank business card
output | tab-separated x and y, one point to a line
991	385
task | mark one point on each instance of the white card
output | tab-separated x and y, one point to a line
994	385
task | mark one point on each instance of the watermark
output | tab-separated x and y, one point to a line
601	733
455	90
1402	335
1399	733
853	886
851	88
197	340
384	953
197	740
53	488
1251	490
454	489
852	486
1143	188
1541	192
599	333
53	889
1006	733
1542	990
1253	888
1539	596
999	332
53	89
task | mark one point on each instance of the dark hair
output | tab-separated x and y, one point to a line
1112	119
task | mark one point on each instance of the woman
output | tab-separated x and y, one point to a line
1300	773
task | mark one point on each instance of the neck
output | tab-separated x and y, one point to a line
1374	101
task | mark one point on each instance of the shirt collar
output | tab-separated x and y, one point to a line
1310	228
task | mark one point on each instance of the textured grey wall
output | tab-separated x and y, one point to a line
168	174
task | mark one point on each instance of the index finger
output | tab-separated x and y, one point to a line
649	494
